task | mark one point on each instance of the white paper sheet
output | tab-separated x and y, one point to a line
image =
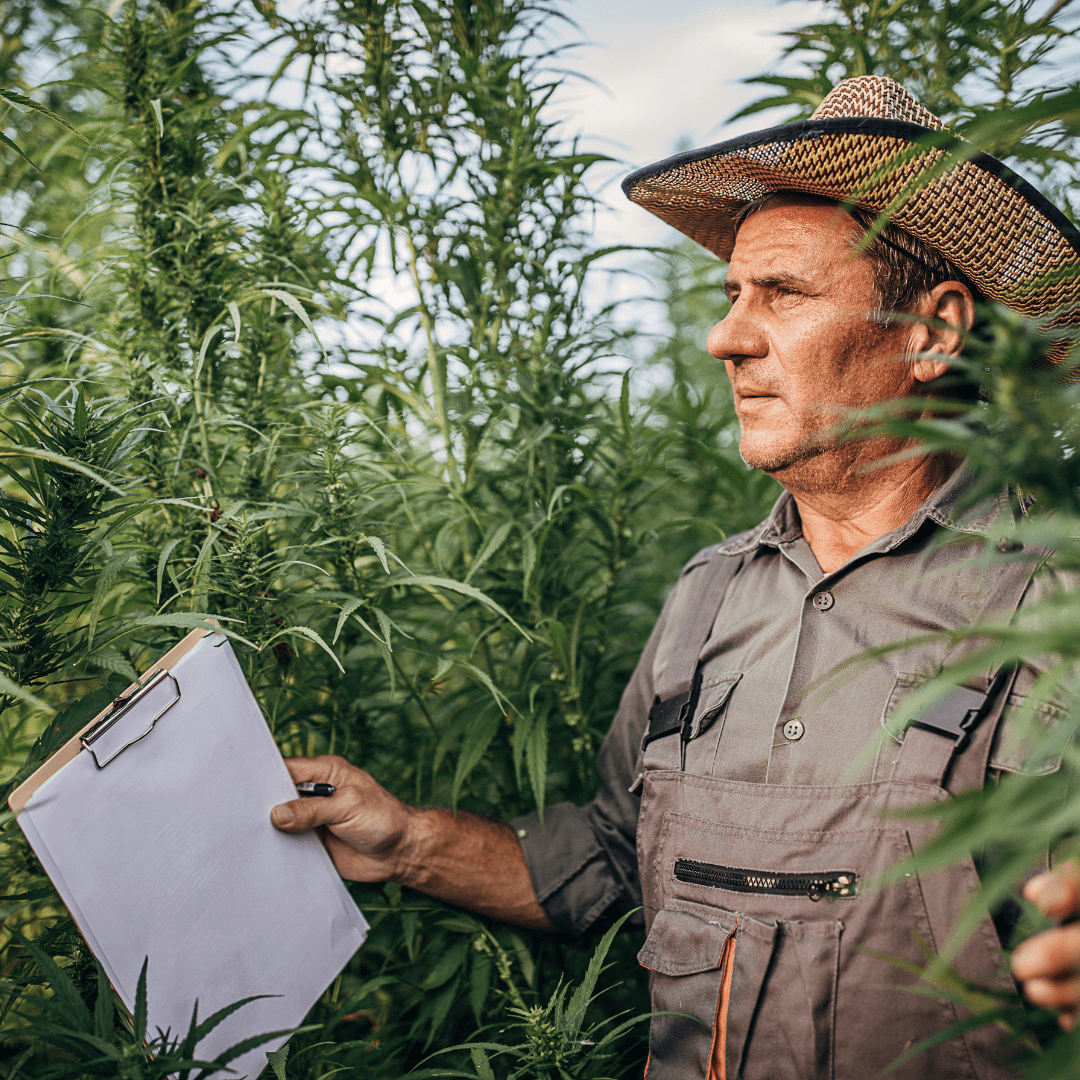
168	852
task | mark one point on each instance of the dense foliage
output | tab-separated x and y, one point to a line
313	351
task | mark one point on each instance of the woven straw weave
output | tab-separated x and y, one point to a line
872	95
984	223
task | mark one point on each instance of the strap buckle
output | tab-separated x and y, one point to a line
956	715
666	717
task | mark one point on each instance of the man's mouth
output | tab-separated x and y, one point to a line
752	397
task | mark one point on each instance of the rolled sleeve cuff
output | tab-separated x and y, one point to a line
571	874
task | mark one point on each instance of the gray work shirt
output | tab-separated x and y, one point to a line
799	678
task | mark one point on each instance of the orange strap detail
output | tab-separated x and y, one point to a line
717	1057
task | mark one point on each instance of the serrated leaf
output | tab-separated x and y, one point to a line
492	542
207	340
582	996
297	309
112	659
104	583
522	728
21	99
501	699
477	740
234	311
156	106
139	1016
446	966
383	642
465	590
480	1061
104	1009
11	145
311	635
536	753
528	562
277	1059
166	551
349	607
190	620
60	459
380	549
479	983
13	689
384	626
65	997
81	418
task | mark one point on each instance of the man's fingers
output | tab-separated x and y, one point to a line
329	769
299	815
1057	893
1049	954
1053	993
318	769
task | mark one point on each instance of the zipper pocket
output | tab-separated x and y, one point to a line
833	884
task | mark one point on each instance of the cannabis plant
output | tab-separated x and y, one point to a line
306	345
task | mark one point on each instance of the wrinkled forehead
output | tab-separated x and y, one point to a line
795	232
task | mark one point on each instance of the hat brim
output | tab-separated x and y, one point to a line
1012	243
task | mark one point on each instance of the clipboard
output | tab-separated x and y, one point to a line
153	824
18	799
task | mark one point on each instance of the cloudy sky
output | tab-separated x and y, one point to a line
663	76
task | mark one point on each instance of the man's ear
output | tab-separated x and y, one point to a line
949	312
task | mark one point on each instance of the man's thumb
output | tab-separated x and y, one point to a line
297	816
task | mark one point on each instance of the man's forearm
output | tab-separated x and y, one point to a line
472	862
371	836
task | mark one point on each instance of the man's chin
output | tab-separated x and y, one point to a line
775	459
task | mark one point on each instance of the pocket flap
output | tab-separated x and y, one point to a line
712	699
1024	743
681	942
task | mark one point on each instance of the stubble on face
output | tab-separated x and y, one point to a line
801	348
807	460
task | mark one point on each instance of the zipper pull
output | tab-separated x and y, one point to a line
841	886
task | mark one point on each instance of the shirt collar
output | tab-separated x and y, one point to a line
946	506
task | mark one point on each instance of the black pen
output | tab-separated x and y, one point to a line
309	788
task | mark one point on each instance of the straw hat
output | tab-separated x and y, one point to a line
862	146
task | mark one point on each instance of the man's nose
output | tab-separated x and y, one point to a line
737	336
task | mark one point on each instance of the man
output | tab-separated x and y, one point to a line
1049	963
738	805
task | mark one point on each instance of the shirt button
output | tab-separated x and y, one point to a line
823	601
793	730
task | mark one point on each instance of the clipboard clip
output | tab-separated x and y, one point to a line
102	755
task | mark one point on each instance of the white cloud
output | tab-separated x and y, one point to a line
665	75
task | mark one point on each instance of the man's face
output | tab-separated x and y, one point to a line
798	346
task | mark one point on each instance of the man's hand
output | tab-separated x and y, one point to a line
1048	964
371	836
365	829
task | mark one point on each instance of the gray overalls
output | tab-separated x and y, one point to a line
766	948
749	825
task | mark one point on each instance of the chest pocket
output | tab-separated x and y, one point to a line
1024	741
671	728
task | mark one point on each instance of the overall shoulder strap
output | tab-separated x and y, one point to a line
686	638
949	744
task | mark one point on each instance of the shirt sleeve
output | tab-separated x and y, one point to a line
583	859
